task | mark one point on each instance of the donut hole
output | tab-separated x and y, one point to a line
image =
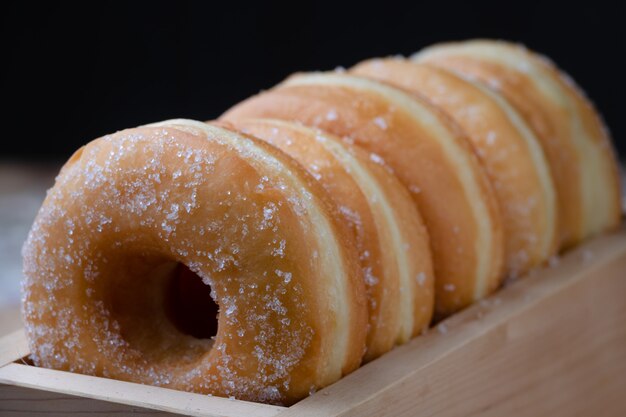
163	310
189	304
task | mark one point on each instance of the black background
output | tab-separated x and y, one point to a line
73	73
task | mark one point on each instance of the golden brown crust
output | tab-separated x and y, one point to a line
425	152
314	267
392	241
506	146
576	144
239	213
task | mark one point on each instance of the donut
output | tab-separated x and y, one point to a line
428	154
392	240
574	139
179	208
507	147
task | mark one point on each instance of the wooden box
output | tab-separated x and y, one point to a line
553	343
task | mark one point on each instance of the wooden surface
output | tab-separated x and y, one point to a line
28	390
551	344
19	401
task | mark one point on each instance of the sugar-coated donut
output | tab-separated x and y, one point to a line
314	226
572	134
507	147
391	238
133	213
426	152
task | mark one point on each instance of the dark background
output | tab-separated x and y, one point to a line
73	73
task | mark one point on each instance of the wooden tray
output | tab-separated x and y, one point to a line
552	344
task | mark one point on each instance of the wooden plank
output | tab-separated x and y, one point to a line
91	394
551	344
19	401
13	347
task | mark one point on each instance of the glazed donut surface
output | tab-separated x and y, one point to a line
427	153
129	210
